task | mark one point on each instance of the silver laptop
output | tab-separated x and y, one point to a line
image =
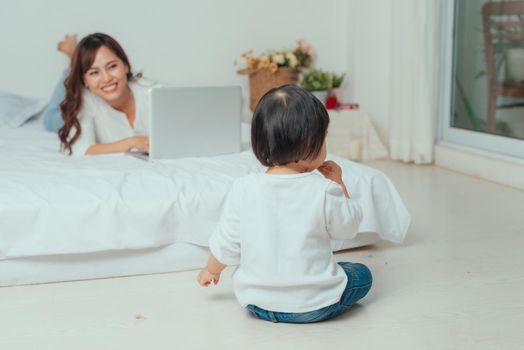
193	121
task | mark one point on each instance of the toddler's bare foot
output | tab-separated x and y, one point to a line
68	45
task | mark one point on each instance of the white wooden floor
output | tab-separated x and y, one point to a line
457	282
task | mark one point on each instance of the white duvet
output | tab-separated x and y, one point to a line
54	204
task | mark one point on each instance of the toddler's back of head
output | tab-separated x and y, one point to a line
289	124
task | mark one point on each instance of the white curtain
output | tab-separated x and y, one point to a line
414	84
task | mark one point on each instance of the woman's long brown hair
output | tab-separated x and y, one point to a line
82	60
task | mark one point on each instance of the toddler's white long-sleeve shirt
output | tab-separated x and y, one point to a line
278	229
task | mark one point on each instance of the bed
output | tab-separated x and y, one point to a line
64	218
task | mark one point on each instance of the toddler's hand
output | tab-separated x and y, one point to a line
332	171
205	277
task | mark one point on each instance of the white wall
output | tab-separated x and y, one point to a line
196	43
179	42
369	59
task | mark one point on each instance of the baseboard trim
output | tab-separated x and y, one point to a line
502	169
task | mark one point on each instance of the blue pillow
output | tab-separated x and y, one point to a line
15	110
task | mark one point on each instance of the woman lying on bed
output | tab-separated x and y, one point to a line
104	109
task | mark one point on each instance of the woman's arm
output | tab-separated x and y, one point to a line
139	142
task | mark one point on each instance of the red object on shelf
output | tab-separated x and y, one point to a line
331	102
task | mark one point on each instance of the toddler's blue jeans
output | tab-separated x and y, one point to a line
359	284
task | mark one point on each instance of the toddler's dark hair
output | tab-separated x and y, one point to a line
289	124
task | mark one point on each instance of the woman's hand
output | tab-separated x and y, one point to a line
205	277
139	142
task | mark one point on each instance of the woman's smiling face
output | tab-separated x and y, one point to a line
107	76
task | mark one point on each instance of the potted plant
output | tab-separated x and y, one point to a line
317	82
337	80
337	83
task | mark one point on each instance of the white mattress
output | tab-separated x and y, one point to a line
52	204
116	263
68	267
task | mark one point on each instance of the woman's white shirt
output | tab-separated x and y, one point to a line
279	228
101	123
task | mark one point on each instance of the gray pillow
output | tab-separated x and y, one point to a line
15	110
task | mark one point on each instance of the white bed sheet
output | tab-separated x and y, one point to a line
52	204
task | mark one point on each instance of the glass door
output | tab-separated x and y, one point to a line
483	56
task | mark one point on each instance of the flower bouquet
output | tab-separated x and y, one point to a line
275	68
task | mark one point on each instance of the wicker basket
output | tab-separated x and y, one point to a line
262	80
